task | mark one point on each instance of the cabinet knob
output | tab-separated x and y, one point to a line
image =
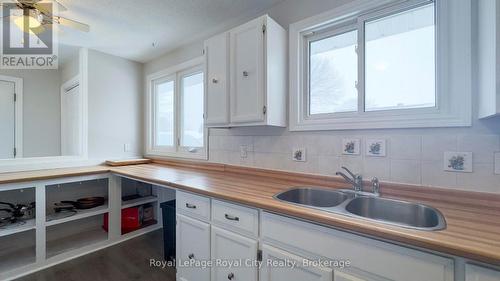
245	73
215	81
230	276
191	256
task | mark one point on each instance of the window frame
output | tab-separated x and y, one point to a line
450	110
175	74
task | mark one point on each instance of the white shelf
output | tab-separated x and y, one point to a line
81	214
18	259
9	230
139	201
77	241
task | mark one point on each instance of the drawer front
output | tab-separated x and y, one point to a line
193	205
236	218
375	258
478	273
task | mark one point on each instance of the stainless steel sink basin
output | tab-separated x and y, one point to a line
396	212
367	206
313	197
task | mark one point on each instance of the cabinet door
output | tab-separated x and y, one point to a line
247	72
193	244
217	97
231	253
477	273
356	276
279	265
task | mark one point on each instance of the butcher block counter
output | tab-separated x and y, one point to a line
473	219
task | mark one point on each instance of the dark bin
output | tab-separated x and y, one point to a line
168	215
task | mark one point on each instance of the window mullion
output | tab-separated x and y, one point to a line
177	113
361	66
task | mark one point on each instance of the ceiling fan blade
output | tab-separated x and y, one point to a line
71	23
42	7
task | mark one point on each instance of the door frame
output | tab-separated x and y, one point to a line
65	87
18	111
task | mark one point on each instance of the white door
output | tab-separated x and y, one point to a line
71	118
235	252
477	273
217	98
7	120
192	245
279	265
247	72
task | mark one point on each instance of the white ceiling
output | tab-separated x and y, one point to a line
127	28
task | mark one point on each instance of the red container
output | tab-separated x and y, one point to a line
131	219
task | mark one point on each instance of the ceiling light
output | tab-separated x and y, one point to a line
33	22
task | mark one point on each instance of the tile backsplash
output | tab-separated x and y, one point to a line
410	159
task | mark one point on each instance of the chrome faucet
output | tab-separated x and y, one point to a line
356	179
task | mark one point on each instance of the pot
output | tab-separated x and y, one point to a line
86	203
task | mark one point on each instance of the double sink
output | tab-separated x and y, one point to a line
364	205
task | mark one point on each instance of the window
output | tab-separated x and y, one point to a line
175	112
379	65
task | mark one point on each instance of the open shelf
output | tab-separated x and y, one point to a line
74	235
139	201
81	214
17	251
17	228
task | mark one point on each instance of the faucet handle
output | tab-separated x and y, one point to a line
376	186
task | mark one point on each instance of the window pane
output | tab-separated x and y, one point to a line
164	113
192	111
400	60
333	72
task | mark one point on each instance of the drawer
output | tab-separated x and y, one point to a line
368	256
193	205
236	218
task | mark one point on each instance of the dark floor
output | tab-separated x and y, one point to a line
126	261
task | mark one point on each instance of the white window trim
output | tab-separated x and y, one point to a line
453	76
174	72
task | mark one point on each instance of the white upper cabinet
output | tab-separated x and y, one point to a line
488	58
217	97
257	76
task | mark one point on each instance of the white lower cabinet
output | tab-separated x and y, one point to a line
279	265
232	254
193	244
478	273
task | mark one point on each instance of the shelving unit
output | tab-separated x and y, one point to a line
139	201
80	214
73	235
41	242
13	229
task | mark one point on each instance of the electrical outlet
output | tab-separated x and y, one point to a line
497	163
243	151
126	147
299	154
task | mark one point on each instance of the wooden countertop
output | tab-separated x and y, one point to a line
473	224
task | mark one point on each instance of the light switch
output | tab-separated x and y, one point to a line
243	151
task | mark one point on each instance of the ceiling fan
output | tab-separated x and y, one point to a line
40	16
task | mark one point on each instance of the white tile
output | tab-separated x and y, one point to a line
351	146
406	171
309	166
483	146
497	163
353	163
271	160
483	179
377	167
450	159
433	146
276	144
324	145
371	149
405	147
328	165
433	175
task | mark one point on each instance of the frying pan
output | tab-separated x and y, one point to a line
86	203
